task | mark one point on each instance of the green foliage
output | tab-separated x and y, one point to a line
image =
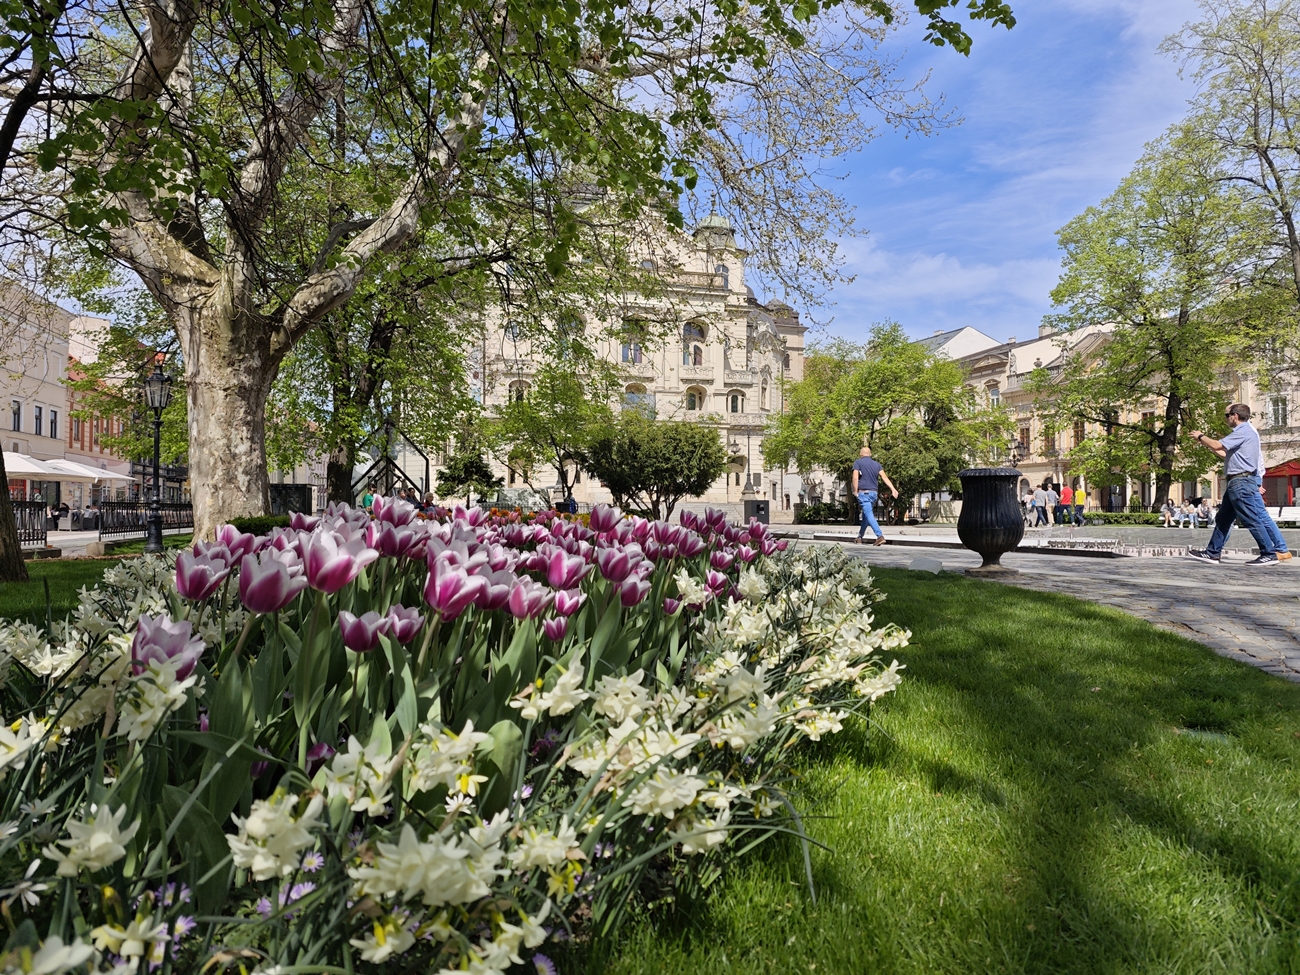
1149	262
894	395
553	426
652	465
1123	518
1037	798
467	469
260	525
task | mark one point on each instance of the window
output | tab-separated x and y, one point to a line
762	397
17	407
518	391
1277	412
36	420
648	265
512	331
94	433
1049	441
1148	418
995	396
1080	433
635	397
632	353
512	475
724	274
692	332
785	362
1024	440
76	430
694	399
737	403
54	424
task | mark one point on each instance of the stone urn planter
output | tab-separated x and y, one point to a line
991	522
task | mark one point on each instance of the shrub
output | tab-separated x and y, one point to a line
408	745
1123	518
829	513
260	524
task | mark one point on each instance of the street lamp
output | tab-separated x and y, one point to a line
157	393
1016	450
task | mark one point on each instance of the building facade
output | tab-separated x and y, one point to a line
999	374
723	364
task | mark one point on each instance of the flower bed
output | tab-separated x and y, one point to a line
397	744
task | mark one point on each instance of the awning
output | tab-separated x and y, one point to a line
20	465
1289	469
83	472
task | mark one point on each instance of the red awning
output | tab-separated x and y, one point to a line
1290	469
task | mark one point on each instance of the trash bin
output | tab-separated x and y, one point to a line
757	510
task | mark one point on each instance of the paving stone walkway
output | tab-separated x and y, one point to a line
1248	614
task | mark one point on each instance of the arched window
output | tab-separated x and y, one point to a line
518	390
512	331
648	265
785	362
692	332
695	399
737	401
723	272
762	400
635	397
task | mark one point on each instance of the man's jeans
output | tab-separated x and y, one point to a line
1078	514
867	500
1041	517
1242	501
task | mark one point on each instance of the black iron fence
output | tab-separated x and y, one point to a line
33	522
124	519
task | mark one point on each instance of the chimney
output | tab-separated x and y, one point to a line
1011	340
938	331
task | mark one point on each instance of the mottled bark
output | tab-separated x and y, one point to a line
12	566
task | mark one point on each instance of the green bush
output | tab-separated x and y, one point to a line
829	513
1123	518
260	524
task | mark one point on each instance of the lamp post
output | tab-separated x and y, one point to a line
158	393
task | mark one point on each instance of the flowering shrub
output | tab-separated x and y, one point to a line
374	741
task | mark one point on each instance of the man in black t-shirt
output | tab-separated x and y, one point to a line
867	475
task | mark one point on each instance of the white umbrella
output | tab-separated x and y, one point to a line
23	466
83	472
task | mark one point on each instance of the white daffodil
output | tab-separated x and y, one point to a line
664	793
95	843
542	848
272	837
620	698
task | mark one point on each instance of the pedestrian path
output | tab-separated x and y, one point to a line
1248	614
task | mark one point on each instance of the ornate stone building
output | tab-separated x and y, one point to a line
722	363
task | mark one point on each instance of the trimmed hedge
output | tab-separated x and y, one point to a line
260	524
1123	518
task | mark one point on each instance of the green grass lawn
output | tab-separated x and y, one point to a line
26	600
1057	788
136	546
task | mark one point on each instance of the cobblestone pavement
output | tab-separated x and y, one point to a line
1248	614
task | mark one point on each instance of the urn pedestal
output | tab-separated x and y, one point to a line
991	522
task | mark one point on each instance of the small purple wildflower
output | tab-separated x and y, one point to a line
313	861
543	965
544	745
183	926
263	906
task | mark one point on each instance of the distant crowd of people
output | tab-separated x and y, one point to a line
1046	506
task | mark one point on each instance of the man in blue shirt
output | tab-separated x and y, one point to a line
1241	451
867	475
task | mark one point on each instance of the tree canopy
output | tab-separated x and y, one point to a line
893	395
651	465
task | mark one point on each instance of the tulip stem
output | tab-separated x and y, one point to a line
429	634
243	634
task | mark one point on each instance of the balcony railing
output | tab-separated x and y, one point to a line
167	472
701	374
740	377
745	419
698	279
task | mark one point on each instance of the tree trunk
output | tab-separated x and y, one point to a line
12	566
338	474
228	372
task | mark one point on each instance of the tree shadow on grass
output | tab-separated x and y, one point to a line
1021	808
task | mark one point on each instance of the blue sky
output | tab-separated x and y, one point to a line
960	226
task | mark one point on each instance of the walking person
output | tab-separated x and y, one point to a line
1243	458
867	475
1040	506
1279	543
1065	513
1080	497
1053	499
